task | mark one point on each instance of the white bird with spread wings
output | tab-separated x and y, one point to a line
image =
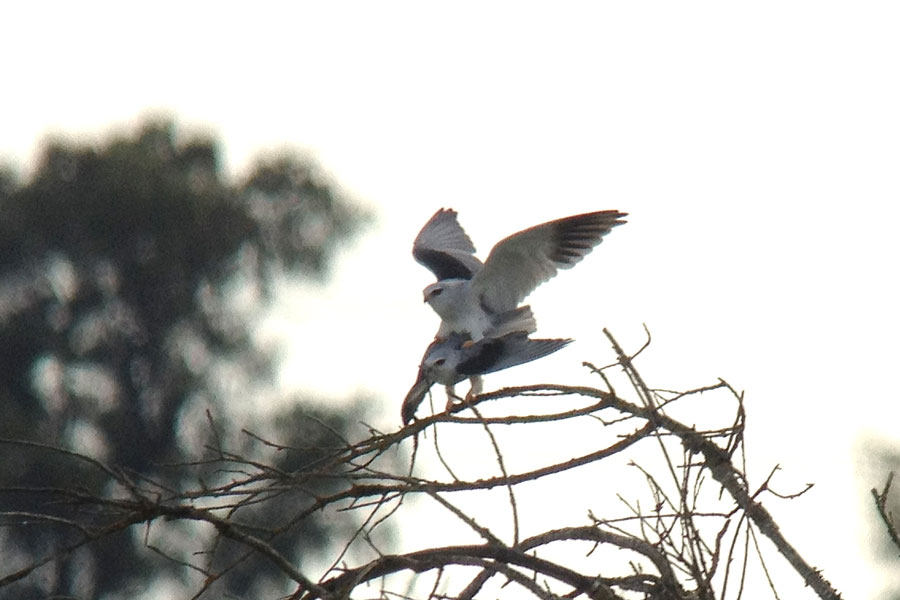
472	298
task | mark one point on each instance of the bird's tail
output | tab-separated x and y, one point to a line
517	320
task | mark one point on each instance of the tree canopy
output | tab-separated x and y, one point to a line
120	336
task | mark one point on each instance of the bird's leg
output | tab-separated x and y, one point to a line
451	395
477	387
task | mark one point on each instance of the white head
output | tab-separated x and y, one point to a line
446	297
441	361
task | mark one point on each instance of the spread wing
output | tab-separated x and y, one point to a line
444	248
495	354
524	260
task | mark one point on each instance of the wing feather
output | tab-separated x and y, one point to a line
496	354
524	260
443	247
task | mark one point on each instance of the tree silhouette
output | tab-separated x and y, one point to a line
120	338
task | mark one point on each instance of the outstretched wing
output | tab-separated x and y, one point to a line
495	354
444	248
524	260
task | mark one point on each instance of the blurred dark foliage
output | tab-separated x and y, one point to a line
121	338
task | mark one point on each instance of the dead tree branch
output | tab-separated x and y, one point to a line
881	499
675	540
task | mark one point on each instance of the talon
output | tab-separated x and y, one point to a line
467	400
453	400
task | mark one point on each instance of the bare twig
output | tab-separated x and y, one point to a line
680	537
881	507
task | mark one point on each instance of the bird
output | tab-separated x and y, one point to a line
471	296
450	360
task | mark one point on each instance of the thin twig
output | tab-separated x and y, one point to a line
881	507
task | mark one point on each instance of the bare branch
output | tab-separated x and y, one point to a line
881	507
681	539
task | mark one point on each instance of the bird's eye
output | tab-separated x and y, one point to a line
437	291
440	361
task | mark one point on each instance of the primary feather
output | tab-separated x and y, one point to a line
518	264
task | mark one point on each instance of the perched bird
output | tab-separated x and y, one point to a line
450	360
471	297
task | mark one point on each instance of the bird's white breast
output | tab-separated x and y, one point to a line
459	309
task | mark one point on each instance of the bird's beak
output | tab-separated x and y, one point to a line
424	297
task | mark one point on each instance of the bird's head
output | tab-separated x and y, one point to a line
433	290
439	363
444	294
442	359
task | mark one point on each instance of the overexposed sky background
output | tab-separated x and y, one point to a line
756	147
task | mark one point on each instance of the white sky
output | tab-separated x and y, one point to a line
756	147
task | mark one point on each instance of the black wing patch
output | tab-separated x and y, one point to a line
443	265
488	353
